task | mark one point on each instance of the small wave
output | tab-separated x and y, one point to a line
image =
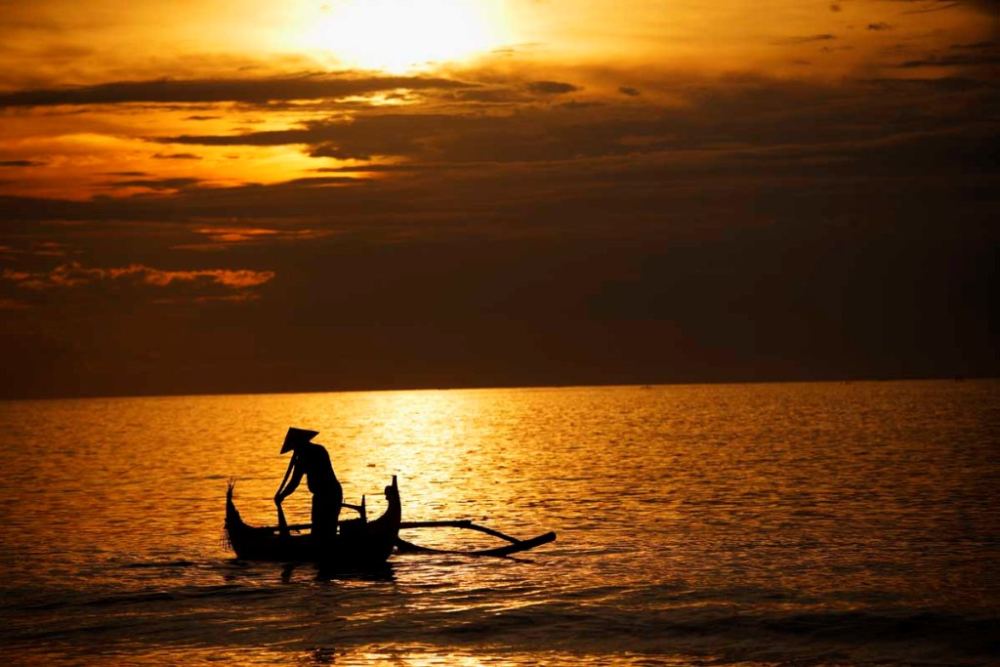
978	633
160	564
594	626
146	596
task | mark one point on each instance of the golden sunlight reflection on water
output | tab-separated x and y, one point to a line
700	522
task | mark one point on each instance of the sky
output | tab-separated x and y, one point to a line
249	196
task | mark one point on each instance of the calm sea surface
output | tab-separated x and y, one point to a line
736	524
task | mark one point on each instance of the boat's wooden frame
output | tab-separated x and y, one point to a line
360	543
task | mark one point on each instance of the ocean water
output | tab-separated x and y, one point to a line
824	523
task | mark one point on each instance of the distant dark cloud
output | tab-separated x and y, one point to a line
527	135
942	84
970	59
990	7
789	129
974	46
216	237
197	117
927	6
389	168
21	163
495	95
803	39
257	91
629	90
976	54
879	26
176	156
158	183
713	116
551	87
577	104
320	181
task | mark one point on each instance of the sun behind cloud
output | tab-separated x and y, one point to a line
404	35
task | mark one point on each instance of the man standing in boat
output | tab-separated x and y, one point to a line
311	459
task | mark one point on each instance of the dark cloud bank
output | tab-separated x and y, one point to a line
257	91
763	230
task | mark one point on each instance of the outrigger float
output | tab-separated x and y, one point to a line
360	543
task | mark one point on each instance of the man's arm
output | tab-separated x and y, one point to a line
293	483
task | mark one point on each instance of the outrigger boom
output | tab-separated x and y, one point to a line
515	546
407	547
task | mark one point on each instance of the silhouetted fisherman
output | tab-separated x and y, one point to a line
311	459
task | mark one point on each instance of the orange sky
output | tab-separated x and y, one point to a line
151	153
598	47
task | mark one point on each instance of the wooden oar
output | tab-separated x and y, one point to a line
283	528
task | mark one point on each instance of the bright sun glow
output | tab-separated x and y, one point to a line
401	35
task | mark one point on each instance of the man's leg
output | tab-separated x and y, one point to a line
319	530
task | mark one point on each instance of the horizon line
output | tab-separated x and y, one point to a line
569	385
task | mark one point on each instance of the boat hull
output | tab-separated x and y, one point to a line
359	543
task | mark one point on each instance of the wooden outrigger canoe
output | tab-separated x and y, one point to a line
360	543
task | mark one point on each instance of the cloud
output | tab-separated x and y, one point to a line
236	234
361	138
176	156
227	236
495	95
394	168
551	87
75	274
990	7
49	249
803	39
23	278
158	183
239	297
711	123
879	26
970	59
525	135
255	91
974	45
21	163
748	111
629	90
